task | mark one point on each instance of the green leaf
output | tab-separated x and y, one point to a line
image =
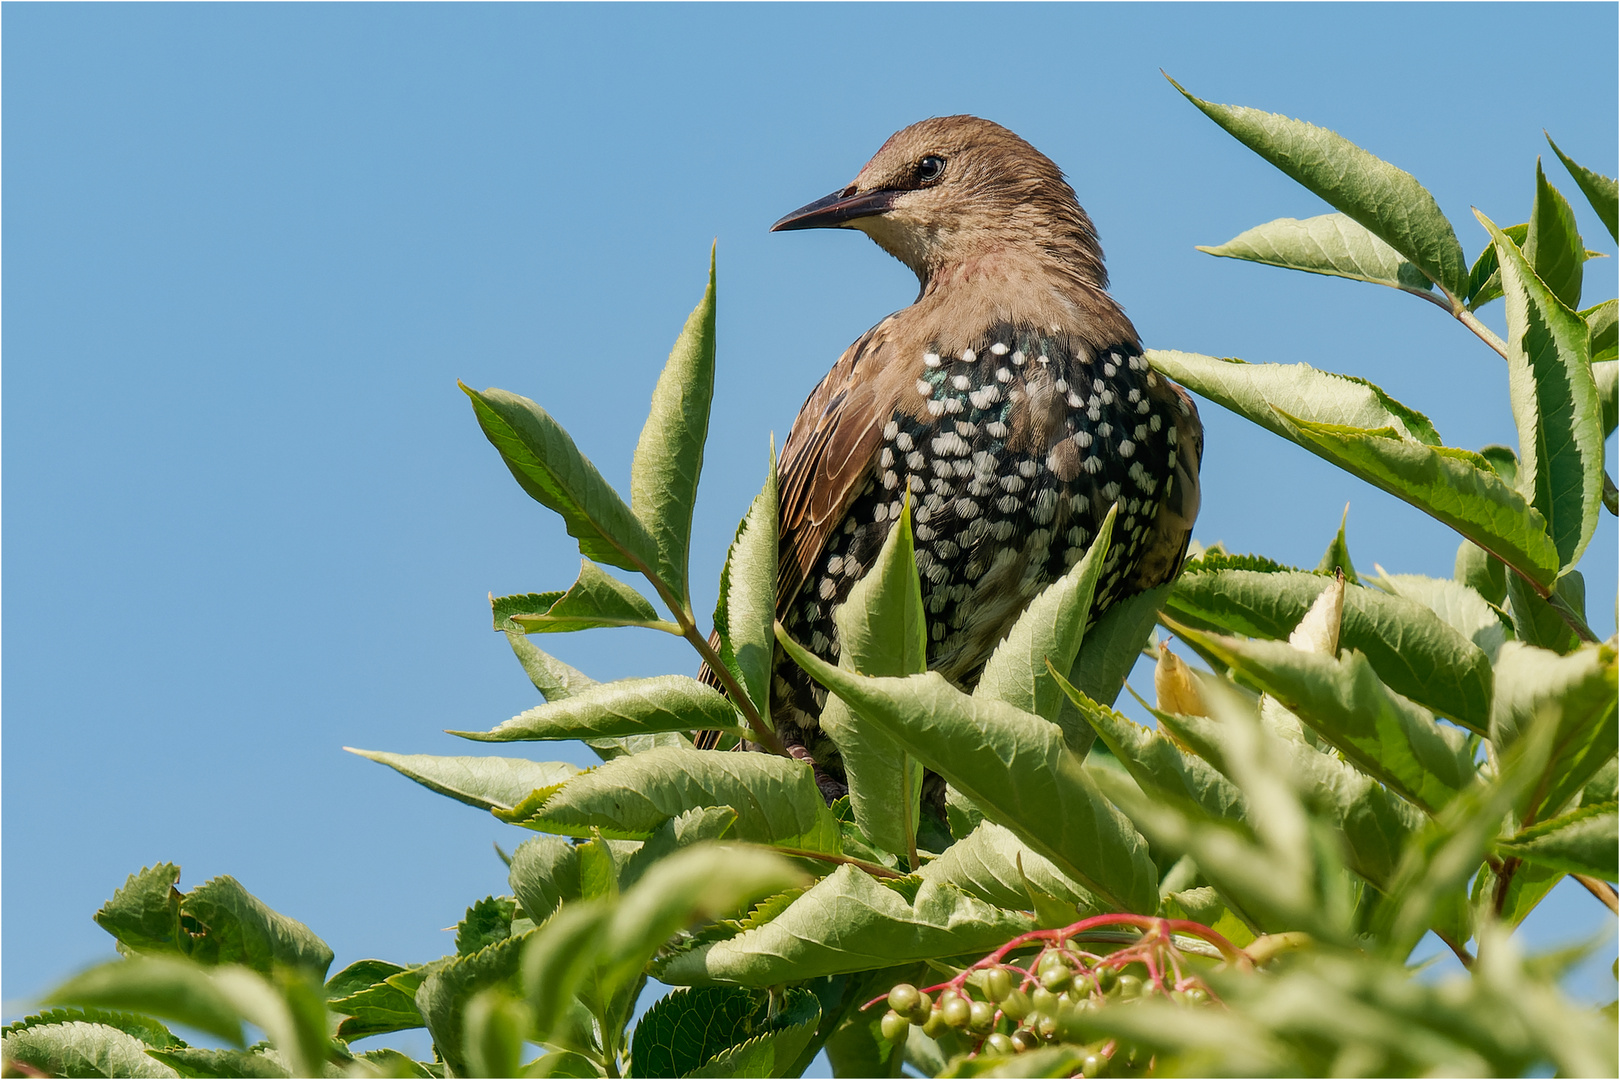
1599	190
496	1026
595	599
696	826
626	707
1552	246
1163	769
881	631
746	610
1331	244
556	962
228	925
358	976
1258	392
1555	403
1440	858
1579	693
1475	568
1111	647
1603	786
200	1062
77	1048
1605	376
1388	202
444	996
1454	486
548	466
669	455
485	782
544	873
1204	905
1413	650
774	1052
1457	605
689	1026
704	1030
704	882
486	922
1603	329
1529	886
1343	701
145	914
1537	622
849	922
1275	890
1583	841
1028	780
1337	556
169	989
368	1003
1046	638
1372	823
144	1028
776	798
992	864
215	1000
1485	279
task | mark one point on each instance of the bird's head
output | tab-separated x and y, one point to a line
945	192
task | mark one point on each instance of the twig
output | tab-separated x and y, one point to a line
1485	333
875	869
1600	889
1461	951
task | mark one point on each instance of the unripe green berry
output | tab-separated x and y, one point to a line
955	1011
1093	1066
1056	977
998	1045
1045	1025
1107	979
1023	1040
981	1014
1017	1005
1044	1000
934	1026
925	1007
904	998
1130	986
894	1027
1198	996
997	983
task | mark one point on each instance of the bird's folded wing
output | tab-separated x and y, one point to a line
826	461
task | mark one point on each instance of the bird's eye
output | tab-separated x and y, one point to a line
930	168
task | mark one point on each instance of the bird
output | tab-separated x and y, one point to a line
1011	403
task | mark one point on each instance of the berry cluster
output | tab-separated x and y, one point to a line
1005	1007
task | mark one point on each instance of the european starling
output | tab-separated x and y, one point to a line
1011	399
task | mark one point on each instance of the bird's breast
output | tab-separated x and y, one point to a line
1011	454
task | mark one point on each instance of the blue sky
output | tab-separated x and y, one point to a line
249	249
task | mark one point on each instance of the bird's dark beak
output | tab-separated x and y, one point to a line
836	209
